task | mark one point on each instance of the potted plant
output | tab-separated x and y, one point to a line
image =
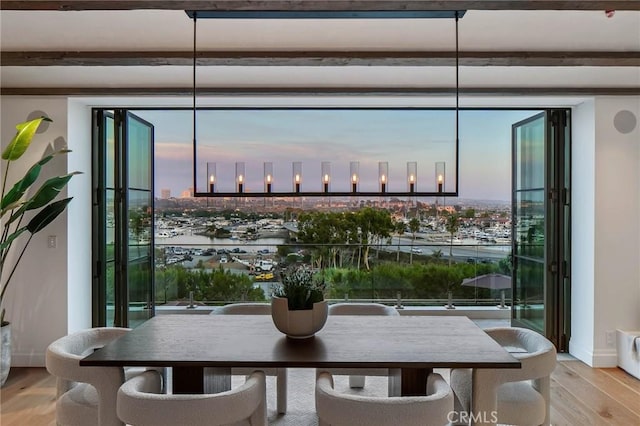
298	307
20	203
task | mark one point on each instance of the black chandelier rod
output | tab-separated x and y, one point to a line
195	19
457	105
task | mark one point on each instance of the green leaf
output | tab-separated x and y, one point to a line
22	139
16	215
23	184
48	191
47	215
20	187
6	243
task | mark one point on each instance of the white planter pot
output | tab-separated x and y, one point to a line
5	353
300	324
628	348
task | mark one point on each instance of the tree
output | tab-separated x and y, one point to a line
453	224
374	225
414	227
329	231
470	213
399	230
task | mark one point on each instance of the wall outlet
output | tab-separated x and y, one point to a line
52	241
610	337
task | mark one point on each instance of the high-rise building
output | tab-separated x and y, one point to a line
187	193
165	193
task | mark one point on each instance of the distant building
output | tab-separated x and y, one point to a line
165	194
187	193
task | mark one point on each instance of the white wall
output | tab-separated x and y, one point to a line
36	301
606	229
583	177
79	268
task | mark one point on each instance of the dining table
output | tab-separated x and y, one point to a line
409	346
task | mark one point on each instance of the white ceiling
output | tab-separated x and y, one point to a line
157	30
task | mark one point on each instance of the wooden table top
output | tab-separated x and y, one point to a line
345	341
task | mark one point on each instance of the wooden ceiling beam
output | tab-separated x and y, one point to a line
318	91
319	58
319	5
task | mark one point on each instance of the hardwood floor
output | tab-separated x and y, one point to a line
580	396
28	398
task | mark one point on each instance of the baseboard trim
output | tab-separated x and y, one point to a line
600	358
27	360
605	358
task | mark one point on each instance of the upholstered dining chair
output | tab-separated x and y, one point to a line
339	409
140	404
357	377
522	394
86	395
279	373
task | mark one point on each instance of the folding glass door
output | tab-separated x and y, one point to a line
123	219
541	226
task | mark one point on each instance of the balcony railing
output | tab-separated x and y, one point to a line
414	272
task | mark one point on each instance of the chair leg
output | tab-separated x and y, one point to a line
543	385
356	381
281	390
259	416
394	382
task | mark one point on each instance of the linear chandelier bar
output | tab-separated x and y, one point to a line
325	14
323	194
241	190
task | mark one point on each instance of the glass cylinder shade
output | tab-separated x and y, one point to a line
412	176
211	177
354	172
326	176
297	176
240	177
268	177
440	176
383	175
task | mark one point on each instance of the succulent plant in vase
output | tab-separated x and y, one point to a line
301	287
298	307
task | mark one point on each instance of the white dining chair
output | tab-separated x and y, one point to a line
522	395
140	404
357	377
339	409
279	373
86	395
243	309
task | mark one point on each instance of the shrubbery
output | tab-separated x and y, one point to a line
421	281
175	282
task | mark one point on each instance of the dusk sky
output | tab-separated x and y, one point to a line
340	137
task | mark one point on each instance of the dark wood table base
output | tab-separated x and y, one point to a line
188	380
197	380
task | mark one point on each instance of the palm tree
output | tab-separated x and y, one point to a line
399	229
414	227
453	224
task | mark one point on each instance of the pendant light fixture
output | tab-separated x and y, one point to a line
384	176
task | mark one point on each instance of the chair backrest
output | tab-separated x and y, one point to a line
538	361
339	409
362	309
243	309
139	404
63	361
